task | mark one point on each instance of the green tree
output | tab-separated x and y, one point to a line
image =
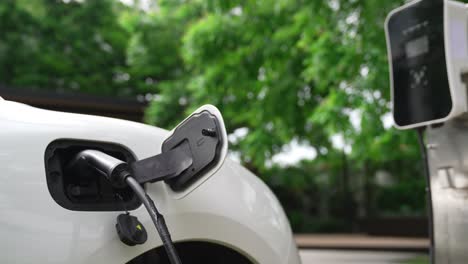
75	46
281	70
290	70
298	68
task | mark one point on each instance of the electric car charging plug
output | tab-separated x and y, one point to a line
114	170
119	174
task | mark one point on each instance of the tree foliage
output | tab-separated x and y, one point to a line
51	44
290	70
282	70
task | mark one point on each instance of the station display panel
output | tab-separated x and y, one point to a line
421	90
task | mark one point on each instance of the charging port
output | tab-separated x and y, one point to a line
84	189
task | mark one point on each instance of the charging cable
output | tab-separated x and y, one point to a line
157	218
422	147
119	174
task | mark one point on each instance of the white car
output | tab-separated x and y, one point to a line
227	216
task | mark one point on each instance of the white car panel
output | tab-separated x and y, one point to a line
233	207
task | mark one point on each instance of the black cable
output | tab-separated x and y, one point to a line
157	218
427	176
118	173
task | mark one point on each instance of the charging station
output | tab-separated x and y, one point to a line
428	58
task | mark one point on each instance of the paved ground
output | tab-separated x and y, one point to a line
361	242
312	256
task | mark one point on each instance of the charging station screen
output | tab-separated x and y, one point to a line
420	82
417	47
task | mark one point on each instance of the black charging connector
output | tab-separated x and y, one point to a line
114	170
191	151
120	174
131	232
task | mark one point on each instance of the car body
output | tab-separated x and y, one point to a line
232	209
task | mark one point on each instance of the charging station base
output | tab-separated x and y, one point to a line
447	148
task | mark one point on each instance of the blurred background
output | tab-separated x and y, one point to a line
303	87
